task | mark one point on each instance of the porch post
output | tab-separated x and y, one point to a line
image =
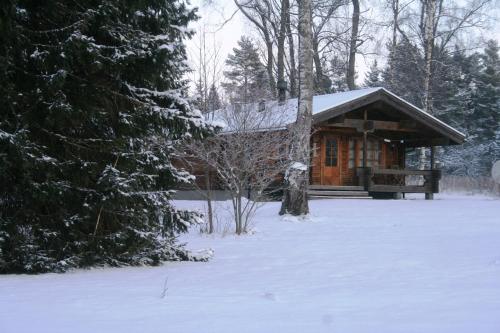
430	195
365	137
433	157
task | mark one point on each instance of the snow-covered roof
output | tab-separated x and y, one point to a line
274	115
323	103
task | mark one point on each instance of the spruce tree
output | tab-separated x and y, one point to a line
458	106
372	77
473	108
337	74
93	101
487	97
403	73
214	102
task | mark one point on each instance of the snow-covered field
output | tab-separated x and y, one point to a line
356	266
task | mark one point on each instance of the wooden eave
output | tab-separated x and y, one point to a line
448	135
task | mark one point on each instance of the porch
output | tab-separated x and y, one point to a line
382	183
399	181
365	143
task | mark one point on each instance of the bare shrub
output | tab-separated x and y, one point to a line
247	159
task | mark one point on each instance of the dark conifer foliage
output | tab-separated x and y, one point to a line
373	76
92	103
487	108
474	108
337	74
214	102
403	74
465	92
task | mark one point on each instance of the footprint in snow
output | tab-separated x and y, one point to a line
495	262
269	296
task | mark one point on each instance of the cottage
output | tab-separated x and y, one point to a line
360	140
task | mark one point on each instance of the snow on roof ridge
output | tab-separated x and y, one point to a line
356	93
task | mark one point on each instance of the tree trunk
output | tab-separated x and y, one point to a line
394	42
281	54
297	176
430	17
239	229
353	46
395	18
291	52
318	87
270	57
209	201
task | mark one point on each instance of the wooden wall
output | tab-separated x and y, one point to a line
391	154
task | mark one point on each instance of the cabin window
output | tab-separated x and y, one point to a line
331	153
374	153
352	154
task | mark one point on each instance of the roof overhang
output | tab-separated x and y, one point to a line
447	134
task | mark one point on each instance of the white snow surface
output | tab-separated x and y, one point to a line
298	166
352	266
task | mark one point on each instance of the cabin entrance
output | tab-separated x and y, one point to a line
330	161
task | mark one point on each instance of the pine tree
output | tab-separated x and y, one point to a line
93	103
372	77
247	79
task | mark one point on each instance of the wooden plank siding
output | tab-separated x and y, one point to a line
391	155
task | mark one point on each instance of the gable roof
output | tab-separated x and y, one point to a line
280	115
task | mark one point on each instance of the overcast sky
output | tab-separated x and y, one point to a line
216	12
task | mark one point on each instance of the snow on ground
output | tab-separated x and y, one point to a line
355	266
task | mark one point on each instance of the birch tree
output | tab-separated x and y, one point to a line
292	73
429	31
353	45
297	175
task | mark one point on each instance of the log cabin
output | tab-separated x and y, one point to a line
360	140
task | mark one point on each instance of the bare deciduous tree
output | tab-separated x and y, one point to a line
248	158
207	63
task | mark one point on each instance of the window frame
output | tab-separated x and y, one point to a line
331	156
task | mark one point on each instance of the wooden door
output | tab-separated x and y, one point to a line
331	160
